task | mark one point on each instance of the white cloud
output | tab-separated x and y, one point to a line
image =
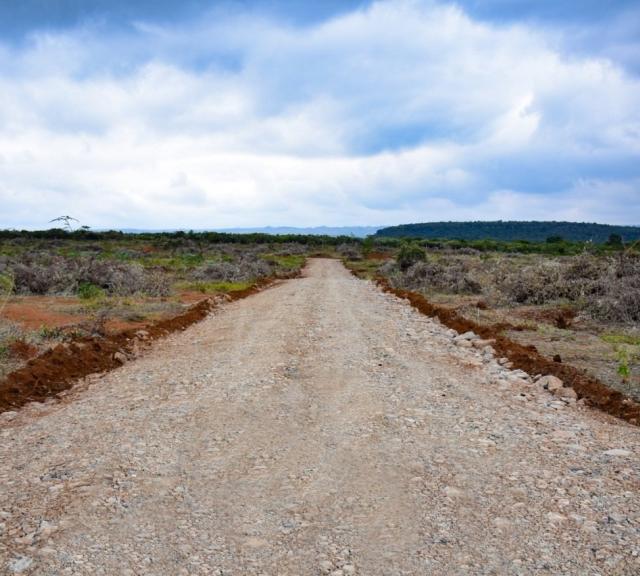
406	111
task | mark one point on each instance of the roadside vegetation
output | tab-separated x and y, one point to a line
60	284
577	302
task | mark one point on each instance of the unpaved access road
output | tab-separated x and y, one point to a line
318	427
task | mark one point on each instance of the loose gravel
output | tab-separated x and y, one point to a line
318	427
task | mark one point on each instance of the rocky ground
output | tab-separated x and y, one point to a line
319	427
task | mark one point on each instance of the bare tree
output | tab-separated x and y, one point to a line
67	222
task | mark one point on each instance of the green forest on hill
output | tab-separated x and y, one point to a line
511	231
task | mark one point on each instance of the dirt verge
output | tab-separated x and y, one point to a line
527	358
59	368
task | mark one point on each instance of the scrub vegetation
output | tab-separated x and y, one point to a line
577	302
60	284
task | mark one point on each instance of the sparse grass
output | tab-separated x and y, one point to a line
47	333
88	291
621	339
214	287
288	262
180	263
363	268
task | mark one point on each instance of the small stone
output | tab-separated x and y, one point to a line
46	551
8	416
120	357
46	529
469	335
617	452
566	393
453	492
501	523
326	566
478	343
20	564
463	343
26	540
349	569
550	383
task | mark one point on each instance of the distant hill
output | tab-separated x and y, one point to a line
357	231
509	231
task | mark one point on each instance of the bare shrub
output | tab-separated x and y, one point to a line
242	270
605	287
59	275
349	251
291	249
452	276
35	278
389	269
534	284
619	297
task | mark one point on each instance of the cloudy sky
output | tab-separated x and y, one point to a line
203	114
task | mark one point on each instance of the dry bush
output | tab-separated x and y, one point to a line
451	276
608	288
291	249
536	283
243	270
42	278
58	275
605	287
349	251
619	298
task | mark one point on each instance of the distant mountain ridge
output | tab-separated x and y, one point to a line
357	231
533	231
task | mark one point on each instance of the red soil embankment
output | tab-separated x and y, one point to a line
58	368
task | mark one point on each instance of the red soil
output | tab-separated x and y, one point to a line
114	326
379	256
32	312
558	317
22	350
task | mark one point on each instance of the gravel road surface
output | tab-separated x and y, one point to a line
318	427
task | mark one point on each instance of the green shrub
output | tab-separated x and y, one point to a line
6	284
621	339
47	333
409	254
213	287
88	291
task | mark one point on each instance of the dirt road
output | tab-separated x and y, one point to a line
317	427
